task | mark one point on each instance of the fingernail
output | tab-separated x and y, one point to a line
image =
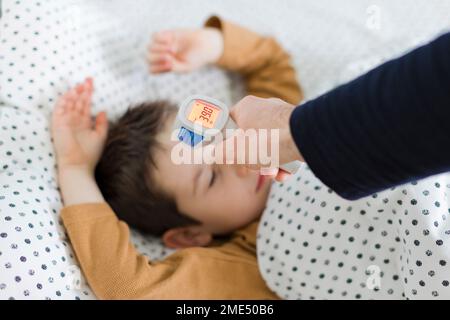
268	171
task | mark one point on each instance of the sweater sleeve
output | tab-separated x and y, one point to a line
265	66
111	264
385	128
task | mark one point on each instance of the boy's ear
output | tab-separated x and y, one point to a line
185	237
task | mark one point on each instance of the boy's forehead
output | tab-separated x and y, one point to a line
172	177
175	179
164	136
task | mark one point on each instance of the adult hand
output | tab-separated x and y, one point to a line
260	113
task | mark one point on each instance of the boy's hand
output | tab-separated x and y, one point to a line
77	138
184	50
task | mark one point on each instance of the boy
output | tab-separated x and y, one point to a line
188	204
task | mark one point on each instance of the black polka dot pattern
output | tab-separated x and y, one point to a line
45	48
36	260
391	245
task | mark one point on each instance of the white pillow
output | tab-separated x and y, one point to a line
46	47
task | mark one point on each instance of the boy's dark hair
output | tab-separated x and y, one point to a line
124	170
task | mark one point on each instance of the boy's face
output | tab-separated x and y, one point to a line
222	198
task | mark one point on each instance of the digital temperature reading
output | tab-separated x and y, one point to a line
205	113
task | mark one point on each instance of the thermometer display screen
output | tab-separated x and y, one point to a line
205	113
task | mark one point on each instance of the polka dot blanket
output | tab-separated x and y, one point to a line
312	244
48	46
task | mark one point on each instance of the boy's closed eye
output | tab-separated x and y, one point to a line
202	180
213	178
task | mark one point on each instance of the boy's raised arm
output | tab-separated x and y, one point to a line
261	60
101	242
111	264
263	63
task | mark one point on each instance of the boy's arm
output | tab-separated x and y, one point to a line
111	264
263	63
102	245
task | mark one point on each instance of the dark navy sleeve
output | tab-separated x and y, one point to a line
385	128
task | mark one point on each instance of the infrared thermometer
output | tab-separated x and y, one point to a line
199	114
